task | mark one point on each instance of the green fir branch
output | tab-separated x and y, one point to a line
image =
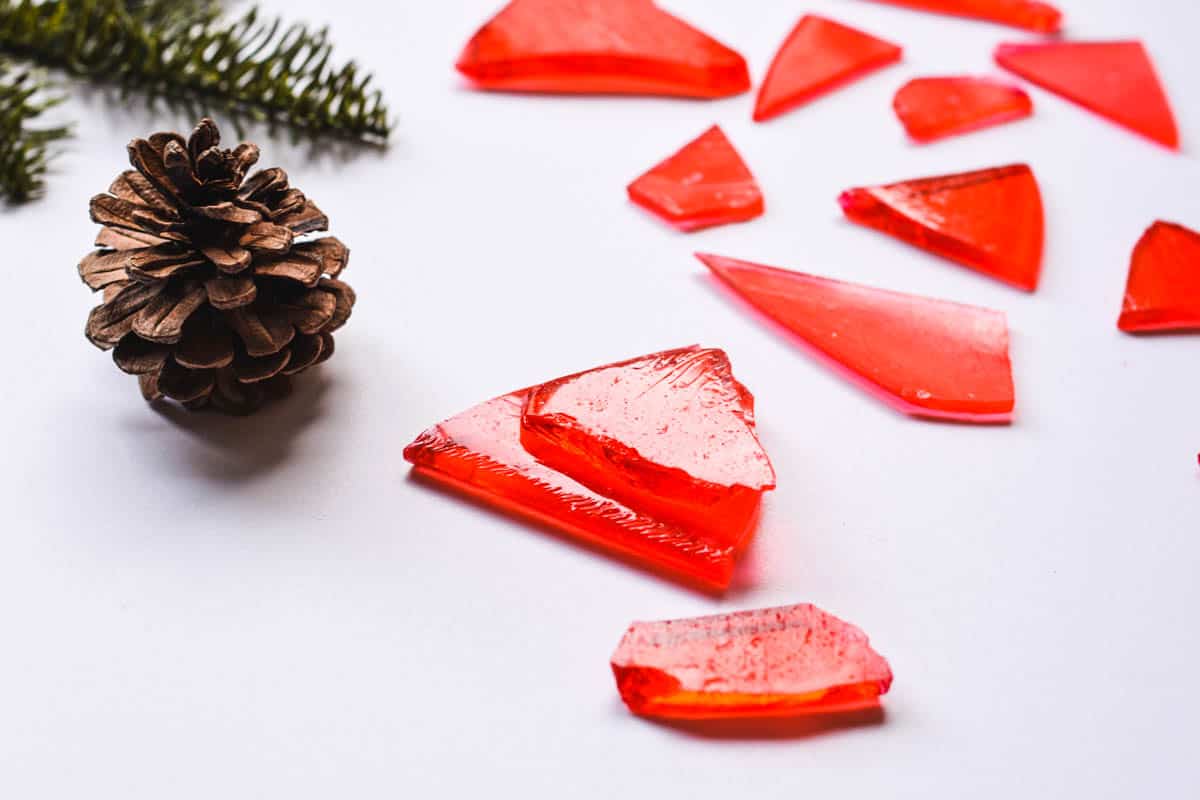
24	151
187	52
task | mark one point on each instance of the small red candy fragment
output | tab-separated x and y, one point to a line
774	662
1163	293
1028	14
989	220
927	357
599	47
704	184
1114	79
818	55
480	453
933	108
671	435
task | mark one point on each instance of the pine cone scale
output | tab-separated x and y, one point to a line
256	370
185	385
207	343
161	320
209	296
294	266
228	212
126	240
230	260
306	351
137	356
226	294
267	238
110	322
133	187
262	334
103	268
312	312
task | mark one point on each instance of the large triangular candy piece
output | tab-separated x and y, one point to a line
481	453
599	46
818	55
929	358
774	662
932	108
1113	79
704	184
1028	14
1163	293
671	435
989	220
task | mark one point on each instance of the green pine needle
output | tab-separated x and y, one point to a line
24	151
185	52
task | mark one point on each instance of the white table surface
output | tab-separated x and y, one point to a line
199	607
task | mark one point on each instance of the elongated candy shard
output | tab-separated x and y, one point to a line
704	184
818	56
481	452
934	108
927	357
671	435
599	47
1116	80
774	662
989	220
1163	292
1029	14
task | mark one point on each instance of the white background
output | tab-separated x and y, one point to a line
199	607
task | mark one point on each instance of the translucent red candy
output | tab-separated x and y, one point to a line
817	56
599	46
671	435
1029	14
1163	293
774	662
656	415
1113	79
929	358
704	184
989	220
932	108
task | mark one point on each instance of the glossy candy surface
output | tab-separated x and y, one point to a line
1028	14
927	357
773	662
1114	79
933	108
481	453
817	56
599	46
704	184
671	434
989	220
1163	292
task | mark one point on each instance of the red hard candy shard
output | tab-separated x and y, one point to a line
932	108
704	184
989	220
481	453
817	56
929	358
1113	79
774	662
599	46
1163	293
671	435
1028	14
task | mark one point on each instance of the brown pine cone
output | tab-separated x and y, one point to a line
208	297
